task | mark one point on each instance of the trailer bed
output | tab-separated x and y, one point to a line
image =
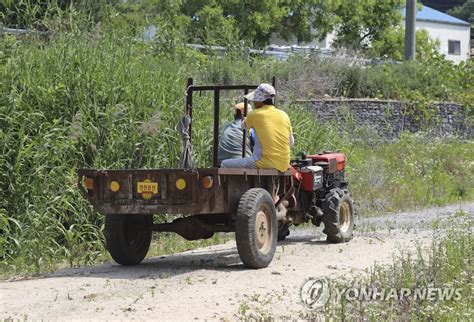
172	191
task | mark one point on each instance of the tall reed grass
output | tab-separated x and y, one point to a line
76	102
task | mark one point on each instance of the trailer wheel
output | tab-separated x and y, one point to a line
256	228
128	237
338	217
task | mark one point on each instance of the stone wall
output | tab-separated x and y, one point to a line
390	118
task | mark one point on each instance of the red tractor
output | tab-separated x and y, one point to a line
323	196
259	205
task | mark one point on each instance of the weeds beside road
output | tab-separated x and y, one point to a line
432	282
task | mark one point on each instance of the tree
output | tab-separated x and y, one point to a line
255	20
464	12
210	26
357	23
442	5
391	45
299	21
225	22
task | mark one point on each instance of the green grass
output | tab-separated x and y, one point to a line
413	172
79	100
446	263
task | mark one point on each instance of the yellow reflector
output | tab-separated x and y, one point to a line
207	182
180	184
89	183
114	186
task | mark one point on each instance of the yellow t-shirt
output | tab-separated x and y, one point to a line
273	129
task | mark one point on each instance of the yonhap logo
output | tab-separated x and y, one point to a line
315	293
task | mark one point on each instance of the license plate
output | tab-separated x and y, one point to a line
147	187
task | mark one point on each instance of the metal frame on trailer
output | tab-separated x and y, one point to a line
190	88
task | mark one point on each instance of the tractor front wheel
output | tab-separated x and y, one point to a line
128	237
256	228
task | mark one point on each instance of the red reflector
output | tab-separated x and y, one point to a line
89	183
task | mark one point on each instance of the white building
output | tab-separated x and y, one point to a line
454	35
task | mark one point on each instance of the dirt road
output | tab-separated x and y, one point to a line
211	283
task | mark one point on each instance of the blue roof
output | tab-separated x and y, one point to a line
430	14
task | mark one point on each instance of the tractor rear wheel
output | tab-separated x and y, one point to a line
256	228
128	237
338	217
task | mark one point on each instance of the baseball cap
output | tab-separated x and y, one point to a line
240	106
262	93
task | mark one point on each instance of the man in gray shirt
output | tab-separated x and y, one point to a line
230	145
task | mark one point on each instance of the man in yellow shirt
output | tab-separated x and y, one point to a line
273	133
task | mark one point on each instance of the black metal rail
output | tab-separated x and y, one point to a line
190	89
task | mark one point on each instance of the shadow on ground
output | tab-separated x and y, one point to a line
209	258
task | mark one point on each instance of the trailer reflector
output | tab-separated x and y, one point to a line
114	186
89	183
180	184
207	182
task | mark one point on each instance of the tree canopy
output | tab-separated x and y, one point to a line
464	12
222	21
391	45
358	22
371	27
